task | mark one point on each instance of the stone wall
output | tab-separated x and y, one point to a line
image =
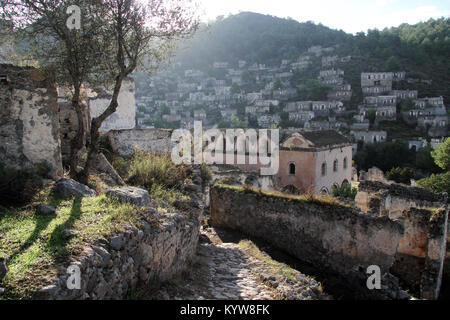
421	253
126	142
393	199
336	239
164	247
125	115
29	123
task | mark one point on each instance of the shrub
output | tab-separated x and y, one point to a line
163	194
206	173
401	175
147	169
436	182
346	191
441	154
19	186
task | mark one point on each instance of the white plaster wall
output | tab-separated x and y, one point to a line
39	142
124	117
332	177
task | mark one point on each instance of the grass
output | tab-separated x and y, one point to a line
304	198
147	169
275	267
161	194
34	246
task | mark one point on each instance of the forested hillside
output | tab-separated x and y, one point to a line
423	50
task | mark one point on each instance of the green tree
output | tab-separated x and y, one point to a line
437	182
70	57
277	85
314	90
372	115
392	64
441	154
346	191
425	161
235	88
113	40
407	104
400	175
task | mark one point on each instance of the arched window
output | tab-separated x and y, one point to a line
292	169
345	163
335	165
324	169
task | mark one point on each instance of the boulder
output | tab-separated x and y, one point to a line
67	234
103	166
193	188
135	196
116	243
42	209
68	188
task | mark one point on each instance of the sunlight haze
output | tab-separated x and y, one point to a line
351	16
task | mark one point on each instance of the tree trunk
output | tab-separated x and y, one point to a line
78	141
96	123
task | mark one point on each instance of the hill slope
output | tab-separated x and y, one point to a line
423	50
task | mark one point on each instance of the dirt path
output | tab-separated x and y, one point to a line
230	271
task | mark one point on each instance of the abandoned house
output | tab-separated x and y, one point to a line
313	161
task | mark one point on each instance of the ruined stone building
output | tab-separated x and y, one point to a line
310	161
38	122
421	253
315	160
369	136
97	101
29	123
430	115
125	115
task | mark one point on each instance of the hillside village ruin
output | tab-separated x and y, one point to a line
403	230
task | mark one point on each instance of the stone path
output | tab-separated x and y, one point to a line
227	271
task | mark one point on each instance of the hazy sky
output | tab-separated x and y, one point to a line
349	15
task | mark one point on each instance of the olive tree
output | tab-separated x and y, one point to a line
112	39
140	34
70	56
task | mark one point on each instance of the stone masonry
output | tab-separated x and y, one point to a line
164	246
419	261
333	238
29	123
126	142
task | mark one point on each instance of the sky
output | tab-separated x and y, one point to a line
349	15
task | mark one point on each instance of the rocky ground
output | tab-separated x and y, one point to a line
232	271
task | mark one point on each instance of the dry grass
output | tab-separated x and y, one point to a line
274	267
309	197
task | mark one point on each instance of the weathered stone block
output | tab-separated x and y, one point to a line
333	238
126	142
29	122
135	196
68	188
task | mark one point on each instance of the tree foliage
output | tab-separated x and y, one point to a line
116	38
423	49
436	182
385	156
401	175
441	154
